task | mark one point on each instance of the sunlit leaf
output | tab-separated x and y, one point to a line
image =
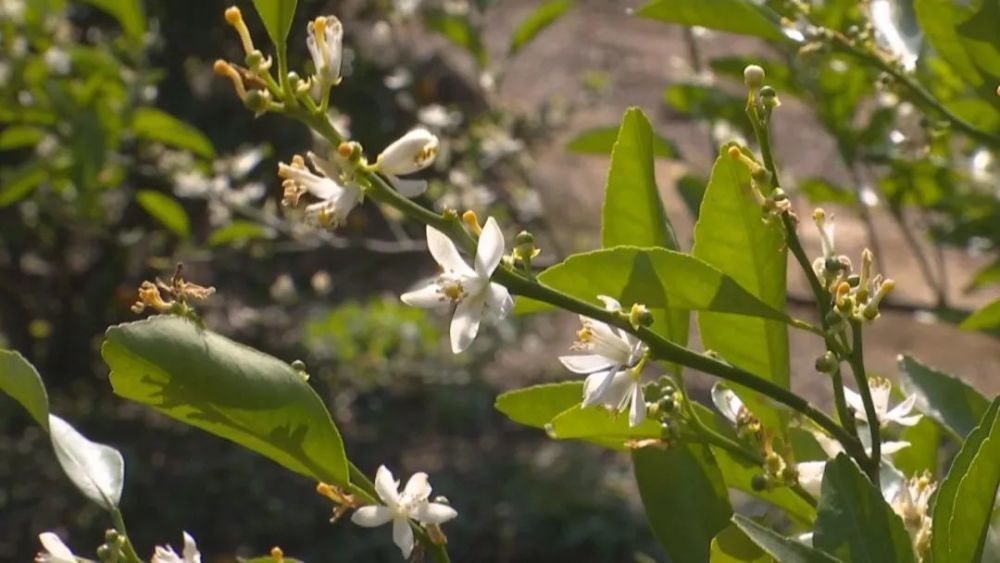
785	550
155	125
233	391
964	504
20	136
541	17
19	379
537	405
166	210
922	454
733	546
945	398
986	317
598	423
600	141
735	16
277	16
686	502
97	470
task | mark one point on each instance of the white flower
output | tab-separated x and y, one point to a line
188	555
325	39
400	508
729	404
336	199
410	153
468	288
811	472
57	60
611	354
55	550
881	389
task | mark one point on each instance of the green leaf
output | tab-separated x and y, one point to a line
20	182
158	126
692	190
130	14
97	470
20	136
277	16
536	406
733	546
541	17
601	140
986	317
987	275
633	212
237	231
945	398
459	31
964	504
731	236
783	549
686	502
230	390
166	210
734	16
854	522
922	453
600	425
651	276
19	379
820	190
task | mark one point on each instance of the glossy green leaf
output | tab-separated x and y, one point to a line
541	17
19	379
785	550
237	231
230	390
166	210
985	276
922	453
965	500
945	398
131	14
20	136
854	522
161	127
731	235
600	424
734	16
277	16
97	470
600	141
651	276
633	212
537	405
733	546
686	502
986	317
461	32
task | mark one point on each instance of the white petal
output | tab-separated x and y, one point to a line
855	402
899	412
402	535
610	303
417	488
638	411
499	301
811	476
586	364
409	188
595	387
434	513
490	249
371	516
907	420
465	322
165	555
56	547
191	554
619	391
889	448
728	403
426	297
412	152
445	252
880	395
386	486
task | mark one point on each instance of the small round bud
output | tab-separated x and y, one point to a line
254	59
779	195
524	238
759	483
112	537
827	363
667	404
441	499
257	101
832	265
104	553
294	80
833	318
768	92
299	365
753	76
854	280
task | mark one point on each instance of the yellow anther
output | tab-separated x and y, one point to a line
472	221
235	18
345	149
277	554
734	153
819	215
222	68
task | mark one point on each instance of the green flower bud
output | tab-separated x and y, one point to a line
759	483
299	365
854	280
827	363
112	537
257	101
753	76
524	237
105	553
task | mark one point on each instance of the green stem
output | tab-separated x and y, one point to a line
846	418
119	522
856	360
917	91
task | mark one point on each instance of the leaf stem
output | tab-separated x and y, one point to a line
856	359
119	522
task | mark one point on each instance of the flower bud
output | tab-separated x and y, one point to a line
753	76
325	40
759	483
257	101
827	363
639	316
104	553
410	153
112	537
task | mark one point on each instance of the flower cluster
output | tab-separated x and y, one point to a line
55	551
855	296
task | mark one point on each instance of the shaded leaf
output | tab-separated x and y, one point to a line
20	380
785	550
155	125
537	405
987	275
230	390
131	14
854	522
964	504
692	191
237	231
97	470
541	17
277	16
922	453
20	182
459	31
166	210
733	16
20	136
943	397
820	190
986	317
686	502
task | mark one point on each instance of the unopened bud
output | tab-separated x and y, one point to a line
759	483
524	237
639	316
833	319
112	537
769	98
827	363
854	280
753	76
104	554
257	101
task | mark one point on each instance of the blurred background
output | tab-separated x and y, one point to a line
122	154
